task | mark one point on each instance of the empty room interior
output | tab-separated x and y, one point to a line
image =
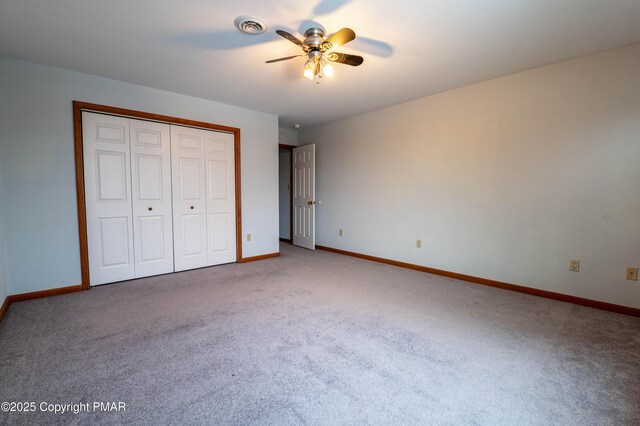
320	212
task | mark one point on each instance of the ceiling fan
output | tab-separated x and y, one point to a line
320	50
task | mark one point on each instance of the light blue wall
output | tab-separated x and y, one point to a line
39	198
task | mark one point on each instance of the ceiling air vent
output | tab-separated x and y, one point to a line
250	24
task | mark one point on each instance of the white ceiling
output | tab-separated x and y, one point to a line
412	48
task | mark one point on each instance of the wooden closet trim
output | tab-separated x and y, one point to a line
78	107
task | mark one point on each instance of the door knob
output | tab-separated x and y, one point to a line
311	202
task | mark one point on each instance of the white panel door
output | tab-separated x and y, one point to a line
107	175
189	203
151	193
304	192
221	200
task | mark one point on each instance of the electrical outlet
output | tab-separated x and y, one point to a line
340	232
574	265
418	243
632	274
248	237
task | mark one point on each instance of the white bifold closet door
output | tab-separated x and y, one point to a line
151	194
159	198
108	197
189	206
128	197
203	172
221	197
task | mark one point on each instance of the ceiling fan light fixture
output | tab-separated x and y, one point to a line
319	51
309	69
250	25
327	69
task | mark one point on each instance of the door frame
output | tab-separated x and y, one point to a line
78	107
290	148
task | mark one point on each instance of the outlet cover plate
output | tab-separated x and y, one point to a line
574	265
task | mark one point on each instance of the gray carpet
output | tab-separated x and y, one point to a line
319	338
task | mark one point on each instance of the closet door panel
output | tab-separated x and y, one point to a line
152	244
114	242
149	175
108	197
193	235
189	206
190	175
221	204
152	209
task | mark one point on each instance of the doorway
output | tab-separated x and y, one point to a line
297	202
285	195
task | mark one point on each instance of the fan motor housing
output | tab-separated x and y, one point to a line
314	37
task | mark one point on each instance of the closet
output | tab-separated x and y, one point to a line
159	197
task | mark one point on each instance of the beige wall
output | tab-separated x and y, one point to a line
506	179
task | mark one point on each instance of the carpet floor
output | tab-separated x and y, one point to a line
318	338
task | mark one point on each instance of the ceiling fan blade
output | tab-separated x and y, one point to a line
290	37
345	58
338	39
282	59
